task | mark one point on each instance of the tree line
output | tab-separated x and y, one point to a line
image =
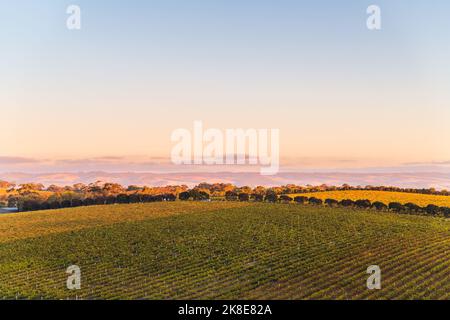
30	203
215	189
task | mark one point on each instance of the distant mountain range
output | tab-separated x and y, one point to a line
438	180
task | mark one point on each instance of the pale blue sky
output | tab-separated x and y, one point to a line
139	69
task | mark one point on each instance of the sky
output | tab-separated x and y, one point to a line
109	96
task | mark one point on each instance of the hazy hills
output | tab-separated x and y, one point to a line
438	180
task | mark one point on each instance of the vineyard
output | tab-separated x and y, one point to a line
222	250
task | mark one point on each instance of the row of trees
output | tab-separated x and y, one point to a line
397	207
35	197
32	204
214	190
220	189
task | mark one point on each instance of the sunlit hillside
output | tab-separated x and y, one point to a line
224	250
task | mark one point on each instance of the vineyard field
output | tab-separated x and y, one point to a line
222	250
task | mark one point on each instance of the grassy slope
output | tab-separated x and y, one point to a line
382	196
223	250
34	224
